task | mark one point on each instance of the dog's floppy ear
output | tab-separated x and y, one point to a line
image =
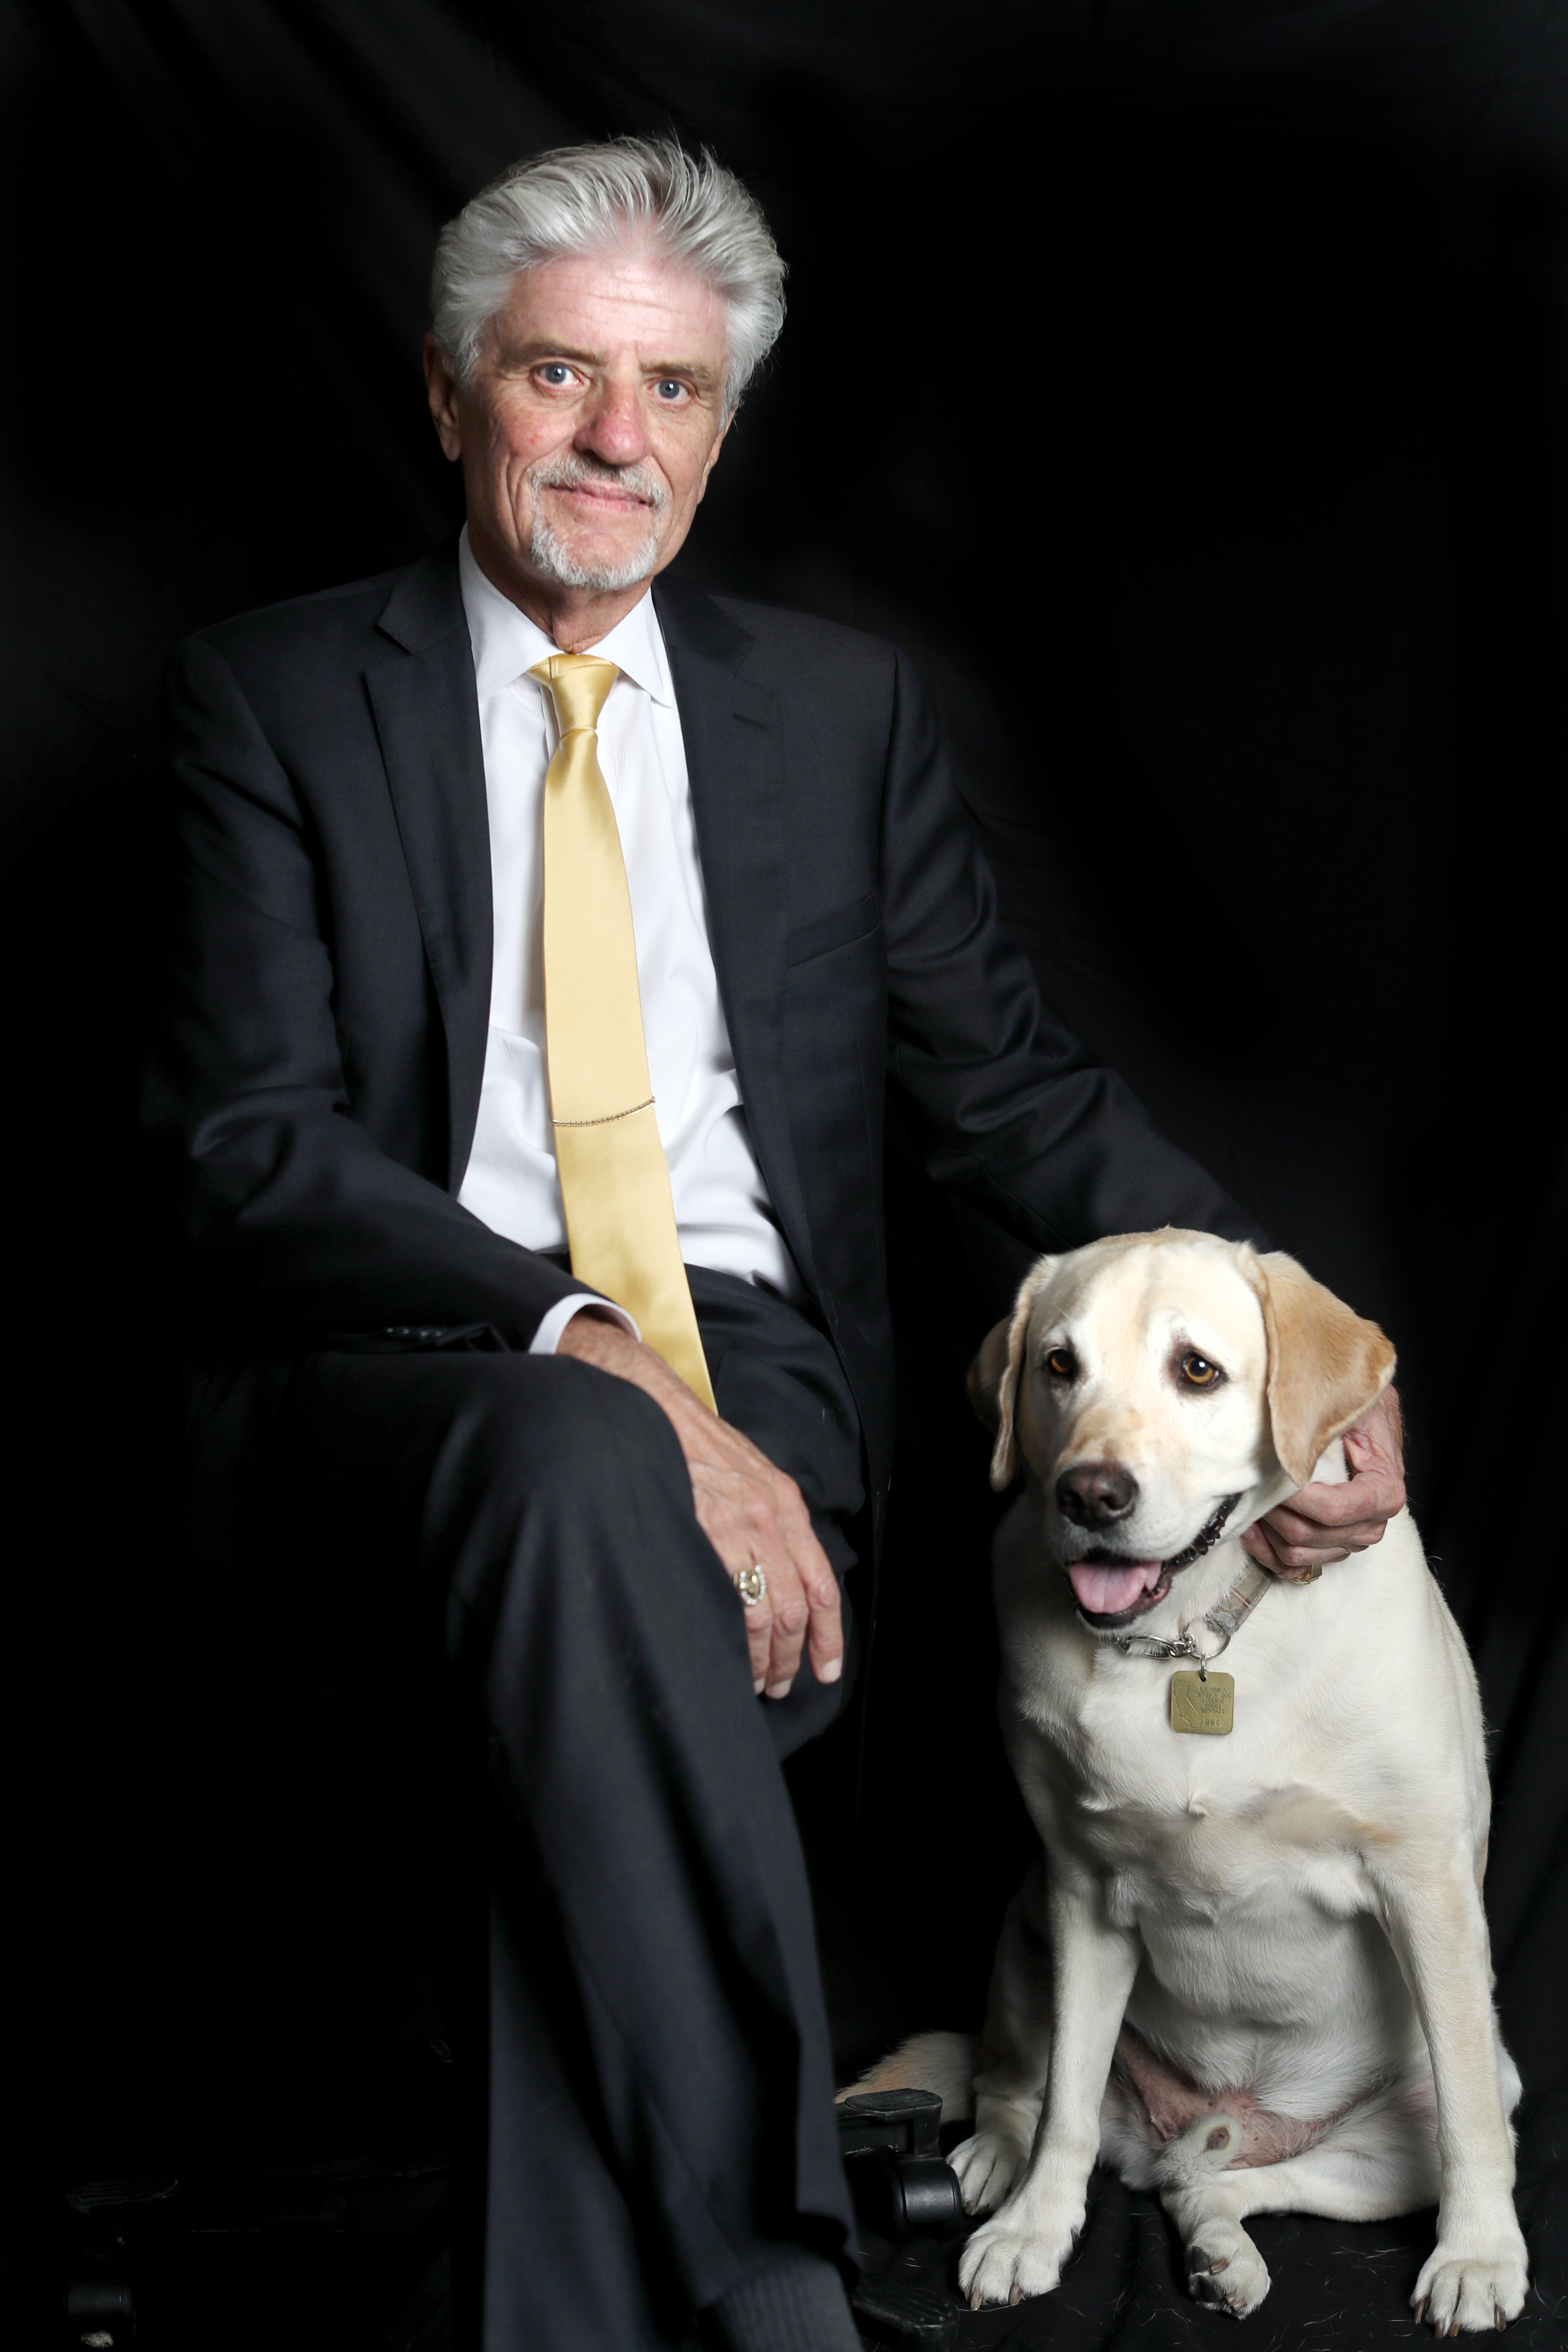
994	1374
1326	1365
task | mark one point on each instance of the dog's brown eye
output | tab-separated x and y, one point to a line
1061	1363
1198	1372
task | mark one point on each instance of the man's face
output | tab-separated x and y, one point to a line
592	424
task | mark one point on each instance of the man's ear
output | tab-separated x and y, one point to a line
994	1375
441	390
1327	1366
713	456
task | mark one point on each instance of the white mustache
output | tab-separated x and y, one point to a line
572	473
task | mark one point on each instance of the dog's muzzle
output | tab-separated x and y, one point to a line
1137	1586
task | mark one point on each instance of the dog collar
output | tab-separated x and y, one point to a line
1224	1618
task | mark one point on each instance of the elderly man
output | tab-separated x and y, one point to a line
542	947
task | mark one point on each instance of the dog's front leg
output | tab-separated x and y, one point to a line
1476	2275
1015	2051
1022	2248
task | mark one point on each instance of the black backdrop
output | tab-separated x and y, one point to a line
1183	386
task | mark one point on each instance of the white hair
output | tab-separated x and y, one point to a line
577	199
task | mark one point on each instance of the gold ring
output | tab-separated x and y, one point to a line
750	1584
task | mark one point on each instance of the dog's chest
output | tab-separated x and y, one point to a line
1209	1864
1179	1828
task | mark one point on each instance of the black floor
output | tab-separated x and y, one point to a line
352	2258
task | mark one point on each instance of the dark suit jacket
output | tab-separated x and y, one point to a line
317	1067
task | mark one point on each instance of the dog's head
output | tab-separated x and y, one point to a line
1166	1390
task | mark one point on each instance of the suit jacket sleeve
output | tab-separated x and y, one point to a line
301	1225
1014	1114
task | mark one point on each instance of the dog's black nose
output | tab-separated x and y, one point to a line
1095	1494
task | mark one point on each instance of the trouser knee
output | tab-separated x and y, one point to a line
576	1521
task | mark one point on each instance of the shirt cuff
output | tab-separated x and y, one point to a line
547	1338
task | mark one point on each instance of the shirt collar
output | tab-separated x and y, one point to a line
507	644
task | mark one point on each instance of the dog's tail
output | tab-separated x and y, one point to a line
943	2062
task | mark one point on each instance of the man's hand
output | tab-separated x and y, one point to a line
1323	1524
749	1511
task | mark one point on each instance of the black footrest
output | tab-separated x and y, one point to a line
902	2184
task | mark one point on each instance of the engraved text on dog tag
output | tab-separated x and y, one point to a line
1199	1705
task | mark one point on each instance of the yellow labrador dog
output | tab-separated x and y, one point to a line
1250	1970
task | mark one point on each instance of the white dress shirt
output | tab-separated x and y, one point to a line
722	1207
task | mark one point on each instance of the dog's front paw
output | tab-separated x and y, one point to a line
987	2166
1003	2263
1473	2292
1226	2269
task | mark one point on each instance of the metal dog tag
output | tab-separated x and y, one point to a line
1200	1705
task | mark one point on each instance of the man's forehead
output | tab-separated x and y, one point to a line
593	306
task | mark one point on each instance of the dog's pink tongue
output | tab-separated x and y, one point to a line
1107	1591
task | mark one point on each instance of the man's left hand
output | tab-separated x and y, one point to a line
1325	1524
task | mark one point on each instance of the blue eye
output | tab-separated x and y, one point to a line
555	371
670	388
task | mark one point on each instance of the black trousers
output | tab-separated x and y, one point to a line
643	2022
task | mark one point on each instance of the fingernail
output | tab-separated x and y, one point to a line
831	1671
757	1687
780	1690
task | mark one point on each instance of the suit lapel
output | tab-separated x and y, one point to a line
428	720
734	762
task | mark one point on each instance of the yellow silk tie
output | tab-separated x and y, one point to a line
615	1180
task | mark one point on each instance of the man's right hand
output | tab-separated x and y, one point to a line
750	1512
